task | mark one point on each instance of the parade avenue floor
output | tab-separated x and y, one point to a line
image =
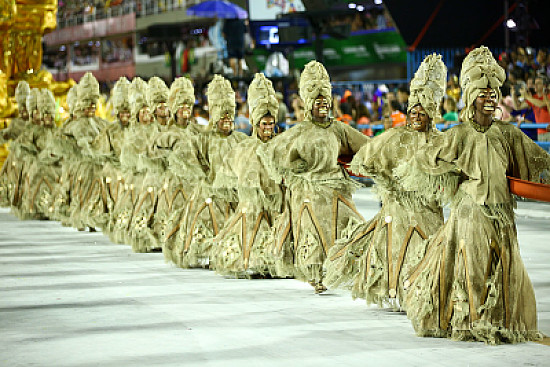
72	298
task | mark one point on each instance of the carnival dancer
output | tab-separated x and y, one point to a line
134	143
177	186
11	170
45	170
61	147
320	208
106	149
181	102
382	252
24	150
241	248
153	168
79	133
472	284
206	212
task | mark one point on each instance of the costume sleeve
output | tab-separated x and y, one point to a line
433	173
378	158
16	128
352	139
529	161
281	156
25	142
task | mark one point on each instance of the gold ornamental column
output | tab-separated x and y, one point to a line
22	25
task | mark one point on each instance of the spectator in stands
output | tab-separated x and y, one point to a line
506	106
398	118
403	98
386	118
282	113
336	109
450	115
242	122
357	23
539	101
297	107
364	118
541	63
453	88
233	32
201	115
347	103
216	39
363	115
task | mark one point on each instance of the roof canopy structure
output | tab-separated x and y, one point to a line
468	23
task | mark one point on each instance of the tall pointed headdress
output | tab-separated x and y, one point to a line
88	91
428	85
221	99
261	99
314	81
479	70
181	92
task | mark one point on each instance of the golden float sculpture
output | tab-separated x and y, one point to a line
22	25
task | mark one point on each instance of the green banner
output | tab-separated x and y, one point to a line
358	50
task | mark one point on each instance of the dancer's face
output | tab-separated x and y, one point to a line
36	117
90	110
418	118
266	128
486	101
162	113
183	114
24	114
320	109
225	124
47	120
144	116
124	117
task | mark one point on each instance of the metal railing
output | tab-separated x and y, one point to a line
141	8
92	14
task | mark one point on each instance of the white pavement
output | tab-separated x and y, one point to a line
71	298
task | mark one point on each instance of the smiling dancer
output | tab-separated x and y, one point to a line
135	142
206	212
241	248
153	168
383	251
179	182
319	205
472	284
11	170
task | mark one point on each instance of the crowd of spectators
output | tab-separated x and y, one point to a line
371	19
77	10
525	99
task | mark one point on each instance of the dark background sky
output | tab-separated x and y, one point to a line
459	23
462	23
